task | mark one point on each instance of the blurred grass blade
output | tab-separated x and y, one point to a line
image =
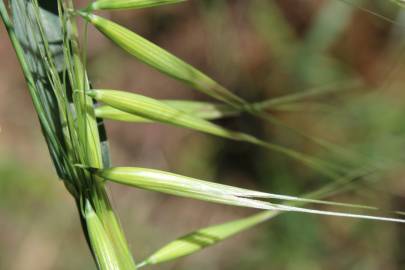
203	238
129	4
100	242
178	185
303	96
204	110
156	110
400	3
165	62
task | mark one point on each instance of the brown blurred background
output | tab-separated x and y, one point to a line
260	49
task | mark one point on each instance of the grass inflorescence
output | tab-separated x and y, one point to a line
45	39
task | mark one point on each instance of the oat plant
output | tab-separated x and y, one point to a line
45	37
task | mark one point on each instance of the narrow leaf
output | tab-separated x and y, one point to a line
129	4
178	185
163	61
203	238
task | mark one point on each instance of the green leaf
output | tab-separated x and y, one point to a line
178	185
203	238
204	110
100	242
165	62
158	111
129	4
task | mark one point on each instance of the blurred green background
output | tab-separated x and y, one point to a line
260	49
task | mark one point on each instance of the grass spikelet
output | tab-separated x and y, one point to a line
203	238
178	185
158	58
158	111
100	242
129	4
45	37
204	110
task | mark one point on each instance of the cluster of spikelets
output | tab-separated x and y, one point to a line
47	47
